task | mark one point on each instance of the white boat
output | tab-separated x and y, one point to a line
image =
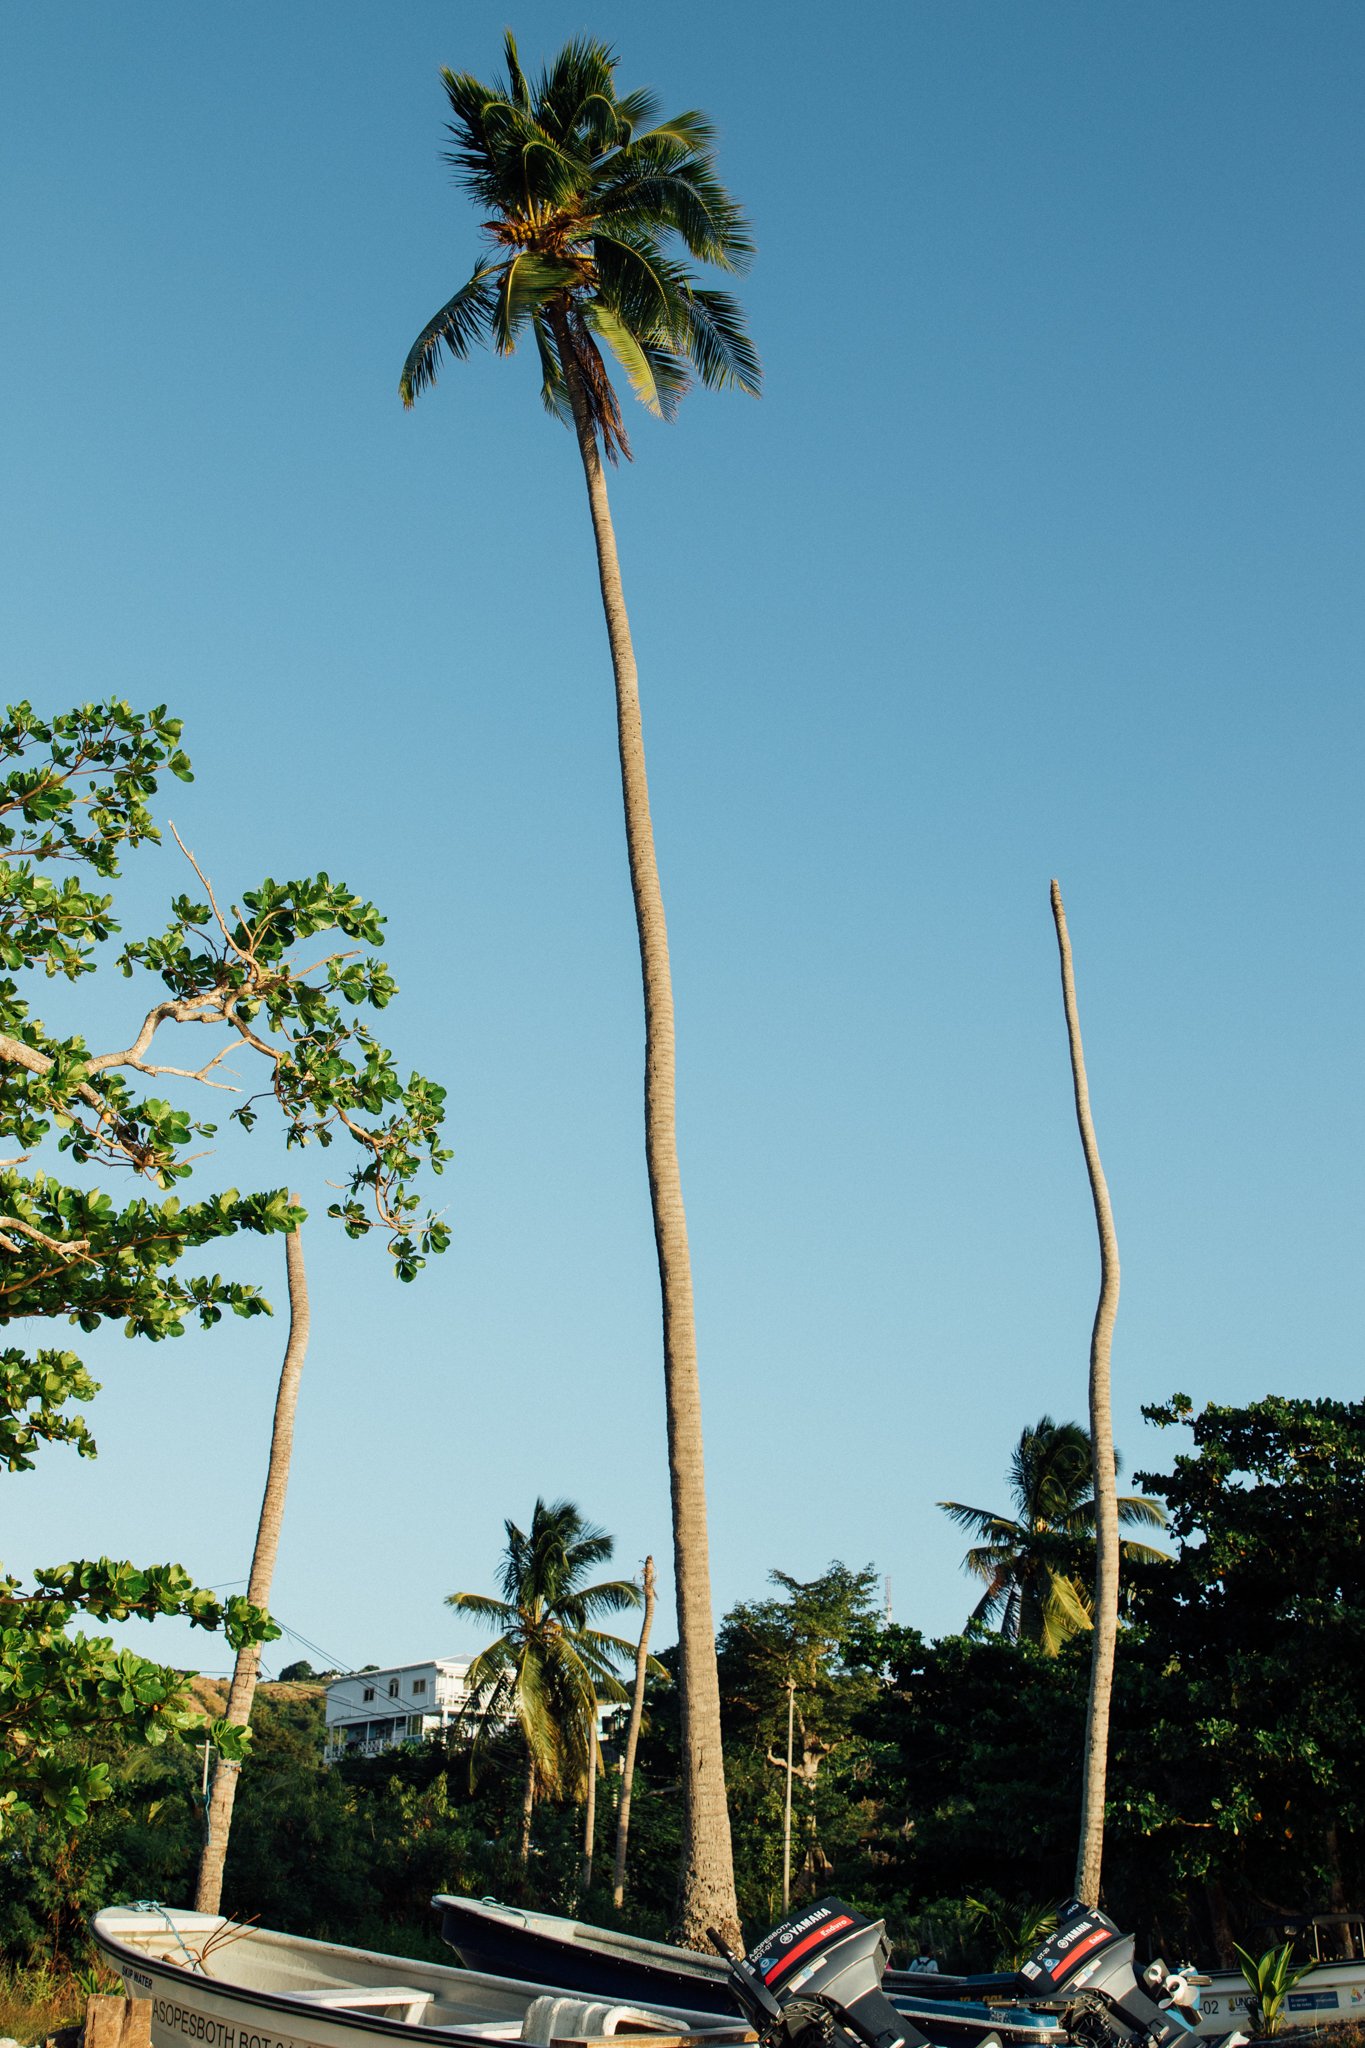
214	1983
1329	1996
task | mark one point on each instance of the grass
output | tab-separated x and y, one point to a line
37	2001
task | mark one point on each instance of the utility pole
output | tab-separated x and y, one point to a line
787	1814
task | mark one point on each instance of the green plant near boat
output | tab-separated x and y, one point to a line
1015	1931
1272	1977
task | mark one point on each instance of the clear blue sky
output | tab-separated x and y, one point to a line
1041	555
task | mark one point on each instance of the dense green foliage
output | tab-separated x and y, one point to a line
75	796
936	1783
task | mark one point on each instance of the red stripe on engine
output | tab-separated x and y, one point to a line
828	1927
1092	1940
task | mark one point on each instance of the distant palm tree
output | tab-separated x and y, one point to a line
1028	1560
548	1667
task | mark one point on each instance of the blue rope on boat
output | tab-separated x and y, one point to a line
155	1906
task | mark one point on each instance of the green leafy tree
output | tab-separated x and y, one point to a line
593	206
974	1744
800	1653
548	1666
75	796
1244	1739
1032	1562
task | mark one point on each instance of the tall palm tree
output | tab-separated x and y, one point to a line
1029	1560
593	205
548	1667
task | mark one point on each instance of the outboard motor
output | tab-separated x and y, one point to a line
1087	1966
820	1974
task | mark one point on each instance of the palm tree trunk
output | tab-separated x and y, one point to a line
1103	1642
706	1893
590	1809
528	1807
637	1707
223	1795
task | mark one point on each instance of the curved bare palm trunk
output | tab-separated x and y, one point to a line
637	1707
1090	1849
706	1895
246	1671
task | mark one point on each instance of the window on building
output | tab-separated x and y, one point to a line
393	1688
419	1685
415	1725
368	1694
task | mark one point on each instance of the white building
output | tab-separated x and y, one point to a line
369	1711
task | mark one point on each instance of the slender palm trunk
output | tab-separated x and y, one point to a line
222	1797
1090	1849
590	1809
637	1707
528	1807
706	1894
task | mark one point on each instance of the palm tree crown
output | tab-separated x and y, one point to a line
592	201
548	1667
1029	1561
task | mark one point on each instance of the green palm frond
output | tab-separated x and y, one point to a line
629	353
462	321
981	1522
1136	1510
692	129
997	1594
636	110
992	1561
1065	1612
497	1613
524	284
1142	1553
554	392
719	344
518	90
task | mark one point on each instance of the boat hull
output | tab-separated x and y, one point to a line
1331	1995
599	1963
287	1992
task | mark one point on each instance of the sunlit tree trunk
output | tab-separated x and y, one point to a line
1103	1641
590	1809
246	1671
528	1807
637	1707
706	1895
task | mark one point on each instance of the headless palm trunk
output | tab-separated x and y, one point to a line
1104	1640
707	1884
218	1821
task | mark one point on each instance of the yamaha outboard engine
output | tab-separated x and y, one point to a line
1087	1966
818	1973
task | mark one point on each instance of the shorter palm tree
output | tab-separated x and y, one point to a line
548	1667
1029	1561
